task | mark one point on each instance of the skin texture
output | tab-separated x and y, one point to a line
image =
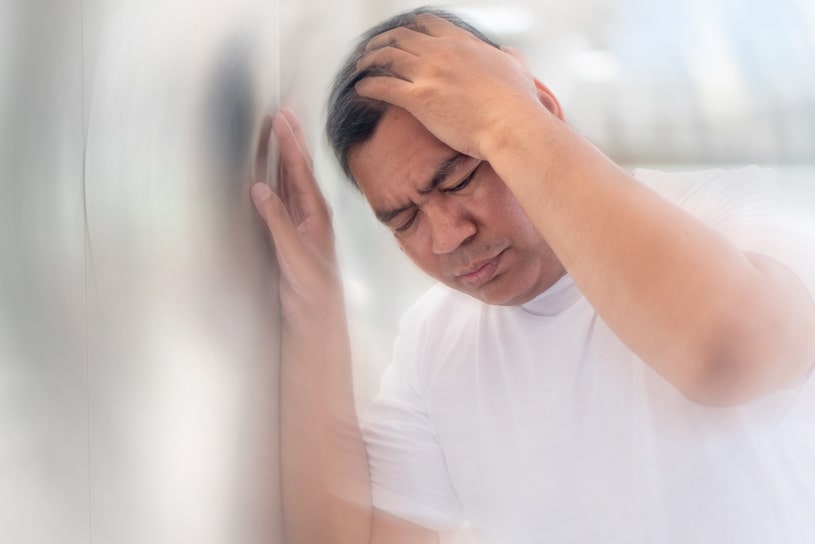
324	467
326	489
469	232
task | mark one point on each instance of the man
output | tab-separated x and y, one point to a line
609	359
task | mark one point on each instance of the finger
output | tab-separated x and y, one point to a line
299	136
260	171
292	159
290	149
438	27
390	61
283	191
290	249
411	41
294	199
300	202
387	89
299	189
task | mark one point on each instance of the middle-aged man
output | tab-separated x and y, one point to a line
608	357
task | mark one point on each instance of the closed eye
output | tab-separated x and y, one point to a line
406	225
465	182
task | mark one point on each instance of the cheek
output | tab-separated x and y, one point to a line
418	253
498	199
503	209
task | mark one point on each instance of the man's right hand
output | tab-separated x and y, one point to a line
325	484
300	224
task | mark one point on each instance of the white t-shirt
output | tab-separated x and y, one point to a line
534	423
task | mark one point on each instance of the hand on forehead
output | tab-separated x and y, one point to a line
456	84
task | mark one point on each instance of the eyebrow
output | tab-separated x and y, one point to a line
445	169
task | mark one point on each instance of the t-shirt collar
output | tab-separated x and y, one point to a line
557	298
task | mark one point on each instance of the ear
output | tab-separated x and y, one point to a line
546	96
548	99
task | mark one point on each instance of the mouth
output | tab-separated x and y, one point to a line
481	272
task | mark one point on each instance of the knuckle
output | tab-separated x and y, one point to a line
423	94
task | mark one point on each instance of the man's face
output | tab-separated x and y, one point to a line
451	214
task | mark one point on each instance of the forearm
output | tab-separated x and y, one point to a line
324	470
326	489
680	295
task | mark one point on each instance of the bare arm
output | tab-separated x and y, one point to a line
326	487
722	325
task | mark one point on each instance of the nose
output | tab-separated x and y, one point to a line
450	225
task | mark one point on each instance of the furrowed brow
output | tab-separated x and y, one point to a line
444	170
386	216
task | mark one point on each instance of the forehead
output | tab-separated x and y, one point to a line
399	158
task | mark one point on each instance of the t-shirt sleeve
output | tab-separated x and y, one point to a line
755	209
409	475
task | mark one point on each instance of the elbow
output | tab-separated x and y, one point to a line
721	383
752	339
732	364
746	360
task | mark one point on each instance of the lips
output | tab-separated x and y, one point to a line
481	272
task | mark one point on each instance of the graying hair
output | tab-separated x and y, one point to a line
352	119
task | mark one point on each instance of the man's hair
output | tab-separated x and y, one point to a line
352	119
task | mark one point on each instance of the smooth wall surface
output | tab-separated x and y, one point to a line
139	330
43	382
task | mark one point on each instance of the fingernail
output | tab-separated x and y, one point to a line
260	192
278	120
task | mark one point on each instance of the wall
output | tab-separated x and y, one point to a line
139	323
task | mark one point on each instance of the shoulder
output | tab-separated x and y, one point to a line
692	188
730	200
756	208
437	309
439	321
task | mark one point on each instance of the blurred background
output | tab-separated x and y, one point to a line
138	309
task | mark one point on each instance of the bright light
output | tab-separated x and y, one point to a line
506	20
595	65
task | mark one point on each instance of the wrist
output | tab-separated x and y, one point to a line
315	339
514	131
